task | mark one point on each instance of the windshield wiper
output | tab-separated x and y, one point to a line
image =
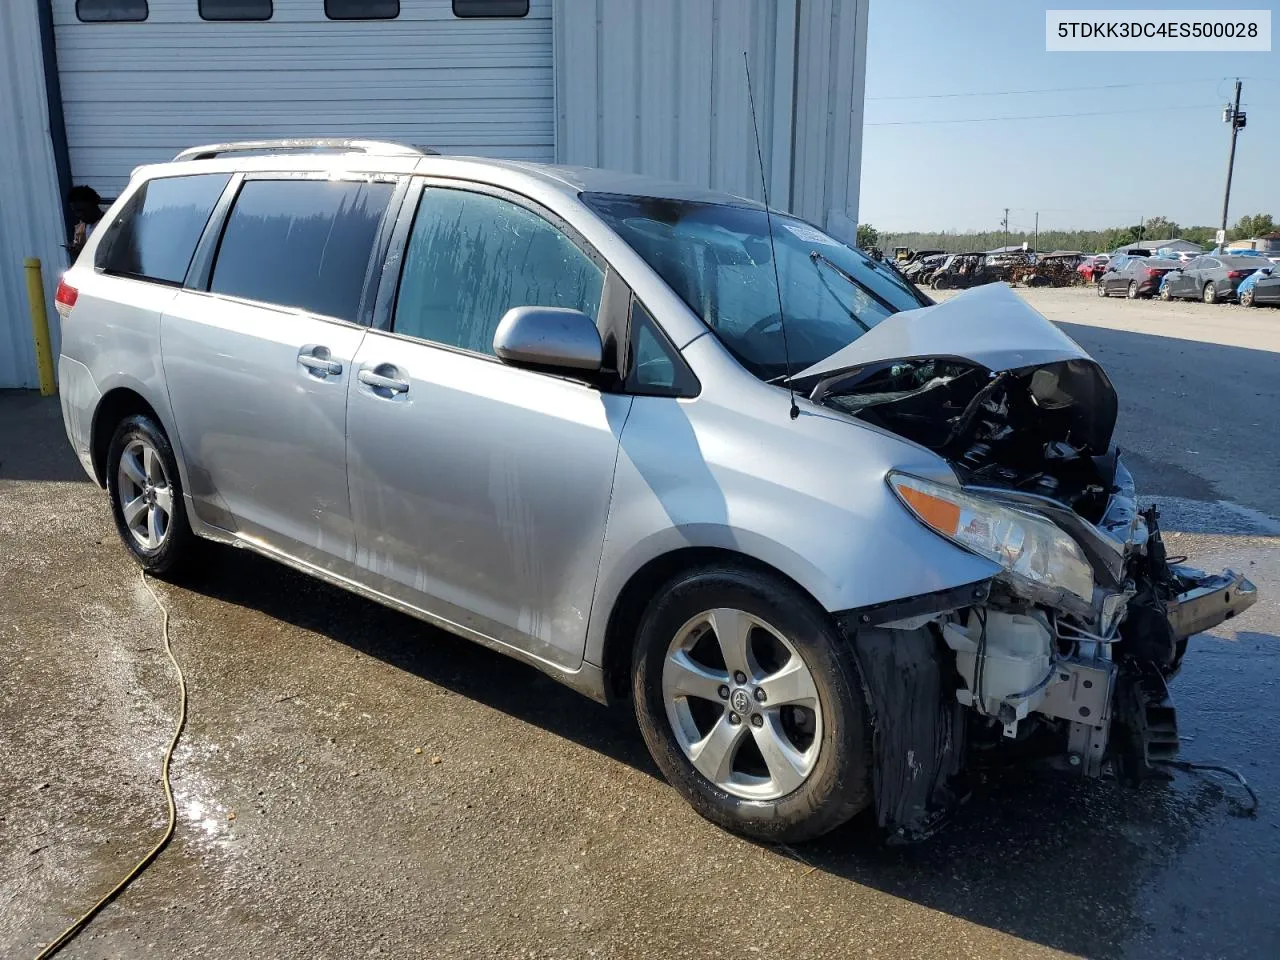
817	257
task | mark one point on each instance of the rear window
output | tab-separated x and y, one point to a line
301	243
156	233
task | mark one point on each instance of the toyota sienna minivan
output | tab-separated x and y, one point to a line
826	536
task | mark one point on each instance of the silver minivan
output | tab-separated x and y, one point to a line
828	537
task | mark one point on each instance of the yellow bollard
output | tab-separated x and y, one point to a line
40	327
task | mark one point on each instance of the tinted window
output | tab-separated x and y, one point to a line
102	11
362	9
235	9
490	8
301	243
157	231
471	258
656	367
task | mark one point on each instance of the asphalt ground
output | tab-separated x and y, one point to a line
352	782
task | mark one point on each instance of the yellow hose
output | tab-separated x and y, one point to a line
70	933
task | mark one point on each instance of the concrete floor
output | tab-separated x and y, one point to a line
310	826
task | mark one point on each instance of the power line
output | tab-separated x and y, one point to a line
1038	116
1010	93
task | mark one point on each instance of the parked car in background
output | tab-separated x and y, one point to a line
1094	266
1260	288
1211	278
1136	277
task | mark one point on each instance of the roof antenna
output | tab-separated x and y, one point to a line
773	253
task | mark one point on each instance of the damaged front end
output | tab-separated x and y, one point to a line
1064	654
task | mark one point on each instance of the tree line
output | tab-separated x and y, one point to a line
1152	230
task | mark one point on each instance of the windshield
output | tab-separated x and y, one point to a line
717	257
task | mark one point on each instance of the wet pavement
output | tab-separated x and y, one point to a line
352	782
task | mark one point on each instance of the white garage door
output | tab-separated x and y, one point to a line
138	91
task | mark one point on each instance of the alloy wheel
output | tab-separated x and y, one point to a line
1133	289
146	497
742	704
1210	293
1246	298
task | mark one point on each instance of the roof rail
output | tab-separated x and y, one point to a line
382	148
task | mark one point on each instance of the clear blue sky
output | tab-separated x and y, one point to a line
1079	172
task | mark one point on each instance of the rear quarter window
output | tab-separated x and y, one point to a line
156	233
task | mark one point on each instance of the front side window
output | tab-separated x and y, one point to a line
157	231
111	11
235	9
362	9
717	257
472	257
301	243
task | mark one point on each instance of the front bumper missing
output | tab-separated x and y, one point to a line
1209	599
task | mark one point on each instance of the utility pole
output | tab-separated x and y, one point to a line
1232	115
1035	247
1006	228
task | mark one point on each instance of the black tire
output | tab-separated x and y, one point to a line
1165	293
839	785
1210	293
179	543
1246	298
1133	290
1102	289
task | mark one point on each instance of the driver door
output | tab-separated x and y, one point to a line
480	491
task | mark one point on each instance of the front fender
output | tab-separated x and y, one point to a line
806	497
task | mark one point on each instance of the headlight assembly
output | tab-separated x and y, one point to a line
1027	546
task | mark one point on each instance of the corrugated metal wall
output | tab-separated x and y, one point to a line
830	94
30	205
138	92
659	87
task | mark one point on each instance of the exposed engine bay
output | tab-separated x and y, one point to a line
1045	431
1019	667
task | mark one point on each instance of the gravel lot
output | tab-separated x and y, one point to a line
354	783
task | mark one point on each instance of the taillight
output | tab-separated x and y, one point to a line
1152	272
65	298
1239	274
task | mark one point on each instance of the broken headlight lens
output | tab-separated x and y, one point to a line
1027	546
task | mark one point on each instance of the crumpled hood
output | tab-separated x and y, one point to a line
989	325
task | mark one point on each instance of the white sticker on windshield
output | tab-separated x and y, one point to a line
811	234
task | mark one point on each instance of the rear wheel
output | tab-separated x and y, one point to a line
1133	289
751	705
1246	298
1102	289
1165	293
1210	293
146	496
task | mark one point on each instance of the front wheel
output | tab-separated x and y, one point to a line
751	704
146	496
1210	293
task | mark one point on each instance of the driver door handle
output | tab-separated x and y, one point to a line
387	380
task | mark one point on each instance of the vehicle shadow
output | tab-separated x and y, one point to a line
1049	859
33	445
441	658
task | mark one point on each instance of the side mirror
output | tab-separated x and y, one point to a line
549	338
